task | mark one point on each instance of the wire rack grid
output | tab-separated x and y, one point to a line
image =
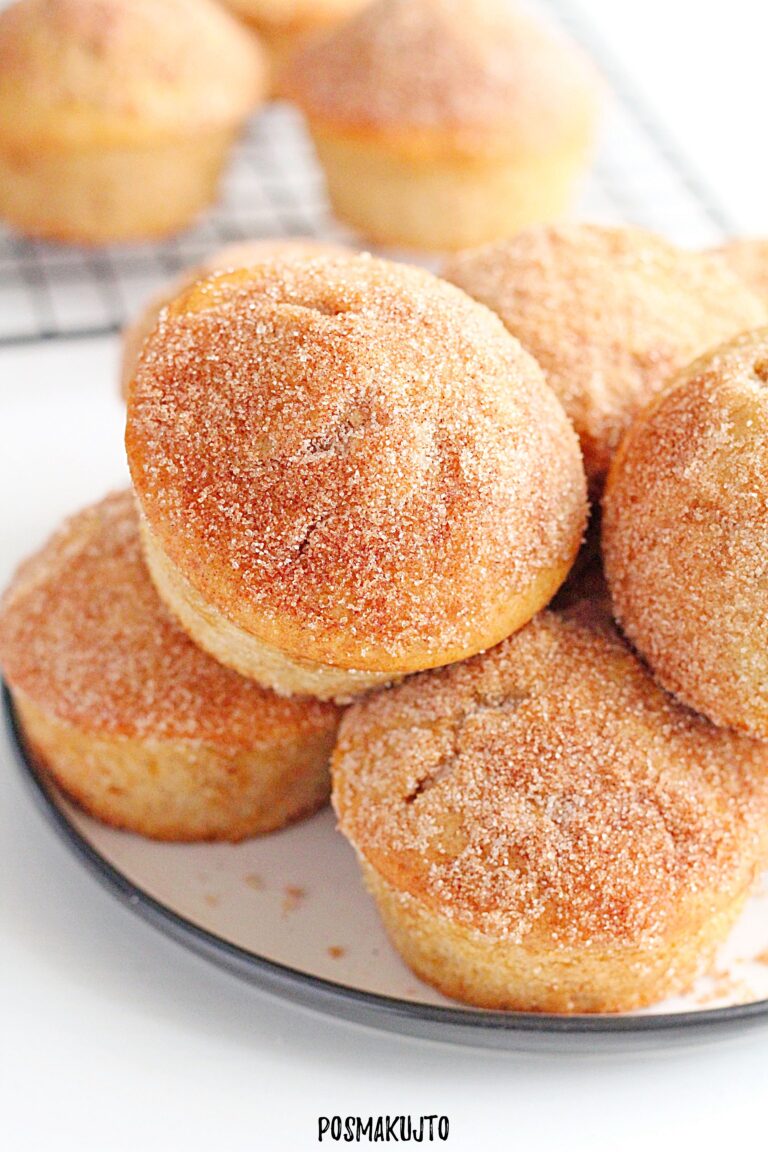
274	188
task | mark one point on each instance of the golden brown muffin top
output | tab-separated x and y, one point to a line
550	788
685	534
611	314
123	69
351	459
239	254
84	635
748	257
483	74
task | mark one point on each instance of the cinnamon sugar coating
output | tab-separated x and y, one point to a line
84	637
475	76
239	254
611	314
127	69
352	460
685	535
549	794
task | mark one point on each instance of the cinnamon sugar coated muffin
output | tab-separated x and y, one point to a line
139	726
748	258
544	829
611	314
445	123
116	116
237	255
348	471
283	25
685	535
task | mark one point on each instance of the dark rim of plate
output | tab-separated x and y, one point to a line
373	1009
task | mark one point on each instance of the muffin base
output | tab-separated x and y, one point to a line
98	195
488	973
449	203
180	790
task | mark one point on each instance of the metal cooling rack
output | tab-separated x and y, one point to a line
274	188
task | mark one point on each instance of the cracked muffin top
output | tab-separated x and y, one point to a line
550	788
351	459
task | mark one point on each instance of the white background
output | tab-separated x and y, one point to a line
113	1038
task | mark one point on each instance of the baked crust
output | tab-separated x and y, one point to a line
611	315
133	720
234	648
545	828
497	974
237	255
685	535
442	124
120	73
435	200
88	196
117	116
353	462
431	78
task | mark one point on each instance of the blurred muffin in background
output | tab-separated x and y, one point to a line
446	123
284	25
748	258
237	255
116	116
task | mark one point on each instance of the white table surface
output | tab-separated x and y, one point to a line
111	1036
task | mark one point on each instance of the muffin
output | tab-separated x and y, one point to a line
284	25
544	829
133	721
685	535
611	314
237	255
348	471
446	123
116	116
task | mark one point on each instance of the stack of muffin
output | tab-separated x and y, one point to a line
357	534
355	493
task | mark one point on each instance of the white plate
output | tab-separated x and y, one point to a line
288	911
